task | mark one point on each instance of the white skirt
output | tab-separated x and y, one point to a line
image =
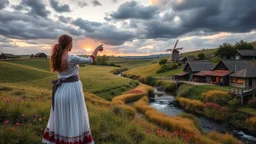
69	122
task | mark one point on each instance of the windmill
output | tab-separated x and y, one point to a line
175	56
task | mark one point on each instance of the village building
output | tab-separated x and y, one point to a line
244	55
244	78
220	73
8	56
193	67
39	55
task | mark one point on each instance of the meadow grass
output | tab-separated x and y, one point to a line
35	73
151	70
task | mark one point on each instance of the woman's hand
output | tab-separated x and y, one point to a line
100	47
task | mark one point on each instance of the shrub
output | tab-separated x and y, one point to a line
162	61
215	111
216	96
170	87
234	103
251	121
179	63
149	80
184	90
252	103
191	105
166	67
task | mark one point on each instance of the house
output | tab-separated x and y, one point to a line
244	54
8	56
220	73
192	67
40	55
244	78
183	59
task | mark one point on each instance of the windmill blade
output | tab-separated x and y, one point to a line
168	50
175	44
179	48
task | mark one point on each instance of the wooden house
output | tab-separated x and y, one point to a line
8	56
244	78
40	55
220	73
244	55
193	67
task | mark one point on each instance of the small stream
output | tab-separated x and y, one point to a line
165	105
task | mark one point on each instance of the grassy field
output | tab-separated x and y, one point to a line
151	70
25	100
195	53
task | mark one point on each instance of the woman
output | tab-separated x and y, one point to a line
68	122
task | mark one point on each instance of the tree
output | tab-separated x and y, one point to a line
225	49
162	61
201	56
243	45
102	60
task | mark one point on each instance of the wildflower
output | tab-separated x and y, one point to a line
29	125
20	100
23	115
17	124
40	119
8	101
25	100
6	122
12	128
36	115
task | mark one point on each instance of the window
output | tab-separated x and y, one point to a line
239	81
237	57
233	80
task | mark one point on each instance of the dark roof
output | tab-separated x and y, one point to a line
197	66
219	73
245	73
9	55
38	54
201	73
182	58
247	52
235	65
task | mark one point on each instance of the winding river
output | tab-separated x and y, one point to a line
164	105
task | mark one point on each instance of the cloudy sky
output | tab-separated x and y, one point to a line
125	27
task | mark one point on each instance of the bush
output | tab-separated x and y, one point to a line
216	96
166	67
179	63
213	110
149	80
234	103
162	61
184	90
251	121
191	105
252	103
170	87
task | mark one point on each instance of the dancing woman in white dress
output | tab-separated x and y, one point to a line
68	122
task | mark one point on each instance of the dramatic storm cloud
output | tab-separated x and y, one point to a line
130	27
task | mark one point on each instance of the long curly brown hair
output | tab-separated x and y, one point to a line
57	52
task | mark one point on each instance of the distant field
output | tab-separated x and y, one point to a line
150	70
195	53
36	73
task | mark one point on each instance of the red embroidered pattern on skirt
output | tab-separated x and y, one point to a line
85	138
